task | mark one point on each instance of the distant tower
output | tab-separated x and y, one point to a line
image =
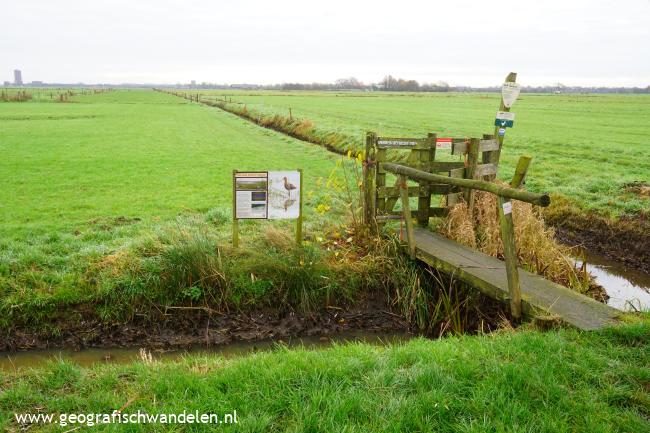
18	77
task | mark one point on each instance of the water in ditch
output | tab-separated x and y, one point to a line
88	357
628	289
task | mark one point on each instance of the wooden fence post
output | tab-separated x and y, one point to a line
406	212
520	172
380	177
369	187
510	255
508	238
424	200
472	163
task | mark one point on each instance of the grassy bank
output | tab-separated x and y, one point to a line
117	205
121	200
509	381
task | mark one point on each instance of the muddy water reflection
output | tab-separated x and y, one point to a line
88	357
628	289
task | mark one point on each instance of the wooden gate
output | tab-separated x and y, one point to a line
477	159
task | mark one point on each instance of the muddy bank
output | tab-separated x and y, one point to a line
175	329
626	240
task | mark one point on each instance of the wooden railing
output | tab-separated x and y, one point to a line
504	195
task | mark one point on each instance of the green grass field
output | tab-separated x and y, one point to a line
129	153
585	147
110	172
523	381
118	204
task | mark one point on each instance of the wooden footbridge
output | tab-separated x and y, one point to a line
419	176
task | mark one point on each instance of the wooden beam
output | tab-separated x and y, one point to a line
433	212
520	172
399	142
485	145
439	166
485	170
503	191
416	191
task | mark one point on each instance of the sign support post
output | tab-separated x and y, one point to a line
235	221
299	220
495	156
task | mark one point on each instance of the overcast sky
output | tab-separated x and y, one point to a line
575	42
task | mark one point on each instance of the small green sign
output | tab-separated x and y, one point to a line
504	119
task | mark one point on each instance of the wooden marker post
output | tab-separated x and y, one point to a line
508	238
510	255
496	155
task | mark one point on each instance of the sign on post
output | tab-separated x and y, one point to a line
504	119
267	195
251	195
443	143
510	93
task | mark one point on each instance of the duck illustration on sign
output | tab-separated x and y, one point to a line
284	194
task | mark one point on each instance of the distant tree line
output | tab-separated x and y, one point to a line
387	84
392	84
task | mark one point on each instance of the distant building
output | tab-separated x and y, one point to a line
18	77
37	84
193	83
7	84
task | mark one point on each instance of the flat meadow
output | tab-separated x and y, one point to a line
105	173
116	218
588	148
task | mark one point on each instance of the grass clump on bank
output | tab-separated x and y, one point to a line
537	247
524	381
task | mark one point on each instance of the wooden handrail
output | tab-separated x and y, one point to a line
501	191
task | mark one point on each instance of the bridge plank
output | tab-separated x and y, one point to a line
488	274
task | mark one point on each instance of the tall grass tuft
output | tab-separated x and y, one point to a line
537	248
